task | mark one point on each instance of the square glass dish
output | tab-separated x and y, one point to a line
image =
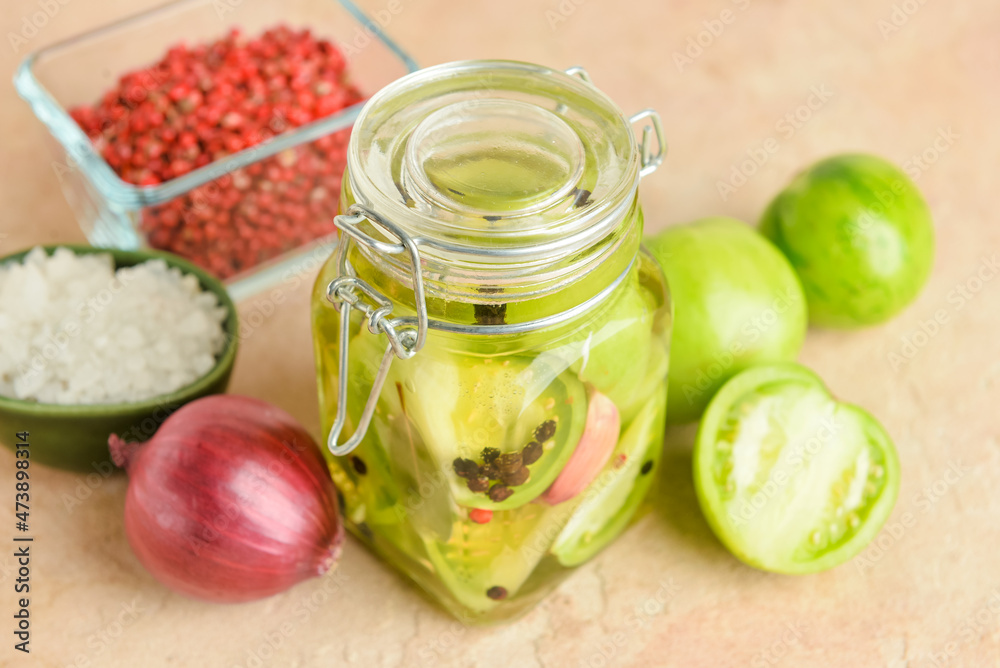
117	214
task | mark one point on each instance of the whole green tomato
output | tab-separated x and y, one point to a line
860	236
737	302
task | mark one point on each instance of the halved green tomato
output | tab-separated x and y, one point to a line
484	564
790	480
612	499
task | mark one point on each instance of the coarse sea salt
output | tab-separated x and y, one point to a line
75	331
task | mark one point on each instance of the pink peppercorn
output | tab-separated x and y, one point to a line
199	104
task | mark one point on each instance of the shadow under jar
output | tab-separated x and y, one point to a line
491	341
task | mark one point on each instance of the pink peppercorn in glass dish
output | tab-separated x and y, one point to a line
203	103
216	131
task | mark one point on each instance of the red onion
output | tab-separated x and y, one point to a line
230	501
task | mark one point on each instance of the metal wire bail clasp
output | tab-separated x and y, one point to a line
348	292
649	160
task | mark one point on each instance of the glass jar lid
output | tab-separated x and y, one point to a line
497	159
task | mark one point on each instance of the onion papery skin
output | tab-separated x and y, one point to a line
230	501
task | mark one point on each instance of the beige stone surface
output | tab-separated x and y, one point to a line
667	593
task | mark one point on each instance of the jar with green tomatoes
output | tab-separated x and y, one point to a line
491	341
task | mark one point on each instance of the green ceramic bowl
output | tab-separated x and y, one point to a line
75	437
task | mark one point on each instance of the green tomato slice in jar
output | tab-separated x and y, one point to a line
614	496
483	564
612	353
622	352
499	428
389	482
789	479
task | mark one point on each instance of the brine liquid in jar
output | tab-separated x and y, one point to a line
491	341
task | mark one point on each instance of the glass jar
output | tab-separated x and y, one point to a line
116	214
491	342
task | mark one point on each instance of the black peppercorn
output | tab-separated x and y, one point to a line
465	468
532	453
545	431
479	484
509	462
490	471
497	593
515	478
499	493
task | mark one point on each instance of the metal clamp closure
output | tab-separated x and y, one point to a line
649	160
348	292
